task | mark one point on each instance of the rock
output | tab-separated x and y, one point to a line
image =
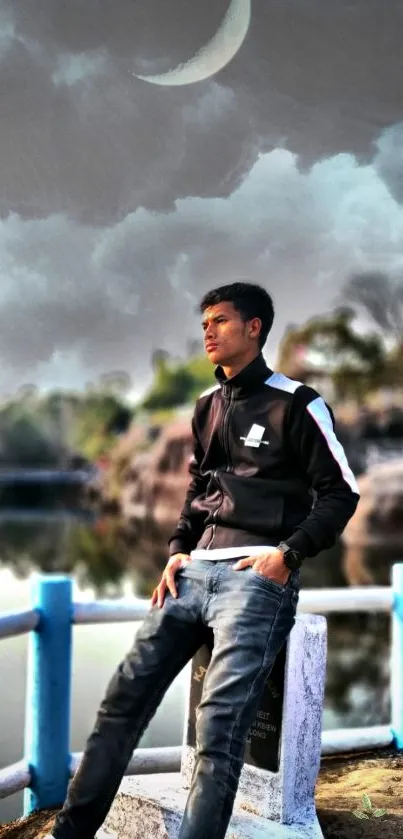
153	806
373	538
155	487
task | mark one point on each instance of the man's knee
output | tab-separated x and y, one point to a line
215	728
119	694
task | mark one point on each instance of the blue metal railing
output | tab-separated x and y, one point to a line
47	765
44	476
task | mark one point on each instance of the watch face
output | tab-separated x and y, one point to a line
292	560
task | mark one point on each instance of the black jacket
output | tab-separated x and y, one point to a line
266	467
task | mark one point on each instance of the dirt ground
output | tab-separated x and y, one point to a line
342	782
341	785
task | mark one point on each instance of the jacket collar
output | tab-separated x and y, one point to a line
253	375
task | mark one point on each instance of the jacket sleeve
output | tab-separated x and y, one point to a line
190	526
323	462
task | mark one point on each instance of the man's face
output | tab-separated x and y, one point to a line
227	338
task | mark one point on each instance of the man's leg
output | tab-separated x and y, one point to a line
167	639
251	619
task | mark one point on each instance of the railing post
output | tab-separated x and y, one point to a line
47	726
397	655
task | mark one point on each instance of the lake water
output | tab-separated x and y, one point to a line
358	650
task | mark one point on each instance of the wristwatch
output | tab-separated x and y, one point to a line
292	559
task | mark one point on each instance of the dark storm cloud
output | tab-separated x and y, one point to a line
89	138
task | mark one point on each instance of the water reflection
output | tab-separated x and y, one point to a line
105	562
92	549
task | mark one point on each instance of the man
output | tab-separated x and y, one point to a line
263	446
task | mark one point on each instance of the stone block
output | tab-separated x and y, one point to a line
282	756
152	806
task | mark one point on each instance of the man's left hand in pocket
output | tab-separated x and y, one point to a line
269	563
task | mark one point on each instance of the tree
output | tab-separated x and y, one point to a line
24	441
27	392
329	345
159	357
380	297
116	381
171	386
99	417
177	382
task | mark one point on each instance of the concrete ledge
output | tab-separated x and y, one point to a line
153	806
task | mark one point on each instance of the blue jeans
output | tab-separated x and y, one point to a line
249	617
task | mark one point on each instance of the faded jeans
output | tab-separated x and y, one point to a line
249	617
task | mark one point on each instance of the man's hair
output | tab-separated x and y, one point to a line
251	301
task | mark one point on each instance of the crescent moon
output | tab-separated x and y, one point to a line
215	55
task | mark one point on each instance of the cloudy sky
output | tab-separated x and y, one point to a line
121	202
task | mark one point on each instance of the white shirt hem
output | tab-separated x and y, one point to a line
229	553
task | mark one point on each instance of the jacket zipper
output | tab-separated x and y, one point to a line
225	435
215	473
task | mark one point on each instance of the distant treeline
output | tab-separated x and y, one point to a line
60	429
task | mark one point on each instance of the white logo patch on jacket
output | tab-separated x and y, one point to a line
254	438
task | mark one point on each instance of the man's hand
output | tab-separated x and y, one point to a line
167	580
270	564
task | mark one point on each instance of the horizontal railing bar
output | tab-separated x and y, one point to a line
148	761
145	761
356	739
18	623
110	611
323	601
14	779
352	599
34	514
26	476
168	759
